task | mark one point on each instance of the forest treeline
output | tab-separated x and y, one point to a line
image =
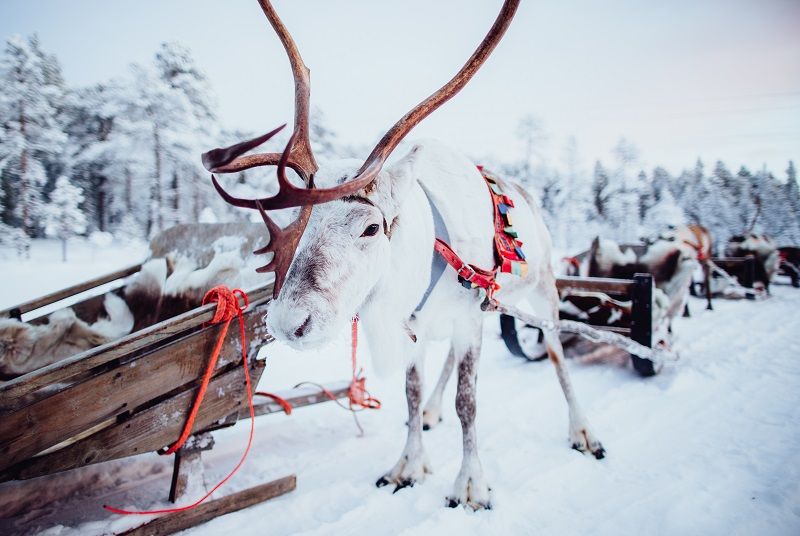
122	156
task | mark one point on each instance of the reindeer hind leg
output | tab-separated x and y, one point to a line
544	301
432	413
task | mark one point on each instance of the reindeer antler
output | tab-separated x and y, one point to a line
298	154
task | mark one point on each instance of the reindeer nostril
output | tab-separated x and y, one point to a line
300	331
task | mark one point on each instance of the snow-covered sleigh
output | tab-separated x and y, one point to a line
734	276
628	300
622	306
130	397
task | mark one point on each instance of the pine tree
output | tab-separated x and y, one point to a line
88	121
664	213
531	133
572	205
600	184
792	192
63	218
31	140
622	211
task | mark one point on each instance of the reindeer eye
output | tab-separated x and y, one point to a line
371	230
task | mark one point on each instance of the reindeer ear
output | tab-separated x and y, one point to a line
393	184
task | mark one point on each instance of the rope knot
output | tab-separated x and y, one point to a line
227	301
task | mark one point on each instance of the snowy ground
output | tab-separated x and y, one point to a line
706	447
44	272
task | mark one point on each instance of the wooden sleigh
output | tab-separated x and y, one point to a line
131	396
633	320
741	269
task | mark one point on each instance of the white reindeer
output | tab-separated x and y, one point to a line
368	249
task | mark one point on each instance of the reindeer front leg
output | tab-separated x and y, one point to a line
432	414
413	464
470	488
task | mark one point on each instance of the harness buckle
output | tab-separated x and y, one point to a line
468	270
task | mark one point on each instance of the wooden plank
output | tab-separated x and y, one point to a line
142	340
49	421
298	397
171	523
187	470
53	297
89	309
146	431
729	260
567	284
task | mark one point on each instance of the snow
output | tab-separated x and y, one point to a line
705	447
25	279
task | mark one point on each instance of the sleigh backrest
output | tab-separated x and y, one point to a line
125	397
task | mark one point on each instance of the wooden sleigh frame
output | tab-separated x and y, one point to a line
743	269
121	399
639	326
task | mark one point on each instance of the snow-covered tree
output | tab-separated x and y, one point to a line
88	122
31	140
663	214
533	137
62	217
791	190
572	207
600	190
622	207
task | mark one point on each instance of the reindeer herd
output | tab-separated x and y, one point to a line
362	244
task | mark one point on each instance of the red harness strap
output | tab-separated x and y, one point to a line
470	275
572	261
507	247
698	246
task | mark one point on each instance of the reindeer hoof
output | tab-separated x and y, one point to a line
399	484
583	441
404	484
453	502
406	473
471	490
430	420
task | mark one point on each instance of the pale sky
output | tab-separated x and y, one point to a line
681	79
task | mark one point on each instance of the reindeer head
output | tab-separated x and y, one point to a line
328	260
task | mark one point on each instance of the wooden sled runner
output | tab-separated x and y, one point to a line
131	396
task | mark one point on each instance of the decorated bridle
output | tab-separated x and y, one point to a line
298	155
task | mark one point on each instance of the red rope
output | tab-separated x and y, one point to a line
227	309
357	393
282	402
